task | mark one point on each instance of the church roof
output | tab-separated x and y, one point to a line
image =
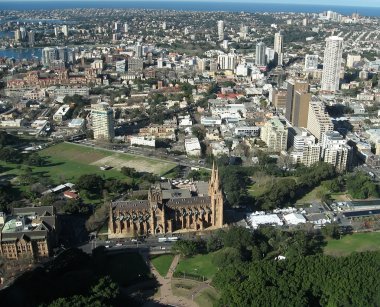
131	205
188	202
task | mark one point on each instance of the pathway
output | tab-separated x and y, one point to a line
166	295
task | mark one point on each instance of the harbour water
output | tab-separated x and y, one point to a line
21	53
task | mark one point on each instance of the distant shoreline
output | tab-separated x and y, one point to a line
191	6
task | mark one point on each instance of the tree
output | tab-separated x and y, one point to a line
35	159
185	248
91	183
199	132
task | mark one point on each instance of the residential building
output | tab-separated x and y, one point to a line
335	151
102	121
311	62
275	135
332	64
318	121
278	48
221	30
227	61
143	141
135	64
260	54
352	59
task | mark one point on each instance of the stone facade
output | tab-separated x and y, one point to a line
169	211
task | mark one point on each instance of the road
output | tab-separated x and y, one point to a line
150	244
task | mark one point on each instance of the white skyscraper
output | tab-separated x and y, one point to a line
221	30
126	27
260	54
332	64
278	48
227	61
65	30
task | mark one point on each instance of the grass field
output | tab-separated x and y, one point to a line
200	265
162	263
207	298
98	157
67	161
358	242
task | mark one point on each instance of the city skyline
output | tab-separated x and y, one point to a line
365	3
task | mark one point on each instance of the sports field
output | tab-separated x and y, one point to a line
200	265
92	157
357	242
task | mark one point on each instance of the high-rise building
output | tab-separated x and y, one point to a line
260	54
269	53
49	55
311	62
275	135
227	61
164	25
294	86
120	66
116	26
23	33
126	27
57	30
335	151
318	121
301	108
102	121
31	38
278	48
305	150
332	64
201	65
65	30
221	30
135	64
138	50
17	35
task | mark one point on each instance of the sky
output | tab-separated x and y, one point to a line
374	3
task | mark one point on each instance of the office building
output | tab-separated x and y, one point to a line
221	30
318	121
102	121
275	135
292	113
260	54
300	109
332	64
278	48
311	62
227	61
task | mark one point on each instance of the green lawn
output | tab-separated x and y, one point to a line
207	298
162	263
200	265
126	268
67	161
358	242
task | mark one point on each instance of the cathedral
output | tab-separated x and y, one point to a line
192	206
